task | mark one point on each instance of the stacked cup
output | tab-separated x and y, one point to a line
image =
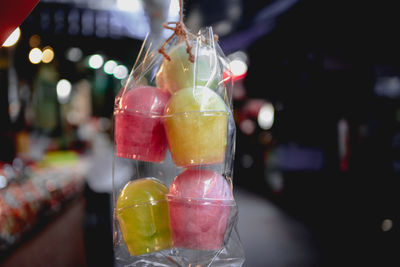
141	208
185	112
196	120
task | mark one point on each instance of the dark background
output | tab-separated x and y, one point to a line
318	63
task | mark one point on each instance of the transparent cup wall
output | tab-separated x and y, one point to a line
173	153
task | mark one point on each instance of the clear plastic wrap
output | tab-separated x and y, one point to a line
173	127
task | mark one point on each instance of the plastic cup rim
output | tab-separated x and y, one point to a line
118	111
201	201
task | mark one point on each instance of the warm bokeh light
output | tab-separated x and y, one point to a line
265	116
48	54
96	61
34	40
109	66
120	72
387	225
13	38
63	90
35	55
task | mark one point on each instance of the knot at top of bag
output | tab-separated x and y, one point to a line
181	32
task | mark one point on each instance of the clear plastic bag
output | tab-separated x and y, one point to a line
173	126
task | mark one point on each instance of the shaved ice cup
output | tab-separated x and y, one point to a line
200	202
139	130
198	146
176	136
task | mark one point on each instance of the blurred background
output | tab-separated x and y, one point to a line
317	110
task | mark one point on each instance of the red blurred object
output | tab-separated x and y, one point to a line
252	107
227	76
12	14
22	205
8	219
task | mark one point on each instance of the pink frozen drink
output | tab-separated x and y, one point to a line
139	129
200	201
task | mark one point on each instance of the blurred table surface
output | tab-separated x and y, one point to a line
59	243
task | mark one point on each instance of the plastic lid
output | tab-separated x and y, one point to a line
201	184
141	191
145	100
195	99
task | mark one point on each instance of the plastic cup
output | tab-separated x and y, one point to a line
197	138
142	214
140	137
139	130
196	123
200	203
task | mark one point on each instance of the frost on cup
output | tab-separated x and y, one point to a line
200	202
139	132
196	122
142	214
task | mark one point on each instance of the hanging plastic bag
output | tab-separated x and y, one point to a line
173	125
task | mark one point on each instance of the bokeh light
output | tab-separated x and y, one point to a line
13	38
247	126
35	55
48	54
74	54
34	40
120	72
63	90
387	225
95	61
109	66
265	116
238	67
129	5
